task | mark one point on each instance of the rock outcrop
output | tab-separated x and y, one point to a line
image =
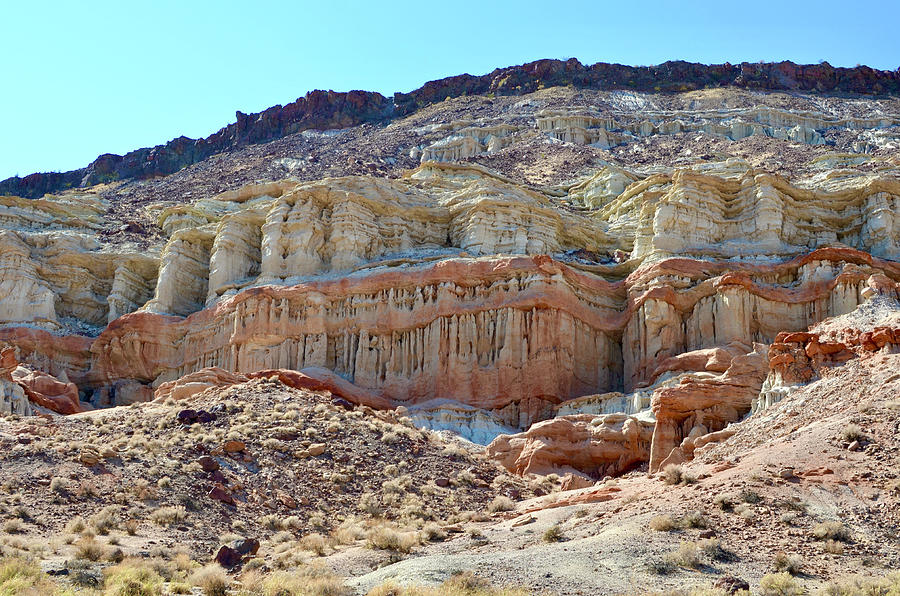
701	404
47	391
595	446
438	285
618	318
21	386
12	397
322	110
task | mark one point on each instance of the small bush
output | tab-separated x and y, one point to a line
750	496
694	519
76	525
712	548
786	563
833	530
660	566
724	502
501	503
864	586
553	534
663	523
852	433
834	547
780	584
314	543
105	520
89	549
58	485
746	512
166	516
212	579
131	578
309	582
789	518
687	555
386	538
18	576
433	532
672	474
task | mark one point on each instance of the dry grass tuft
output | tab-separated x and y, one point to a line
212	579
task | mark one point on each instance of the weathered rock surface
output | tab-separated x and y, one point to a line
701	404
12	397
629	313
593	445
47	391
328	109
474	424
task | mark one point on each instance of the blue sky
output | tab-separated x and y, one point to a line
84	78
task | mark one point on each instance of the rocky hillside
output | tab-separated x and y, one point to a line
411	323
321	110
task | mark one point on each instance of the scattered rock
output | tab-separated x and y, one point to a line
195	416
287	500
208	463
234	446
524	521
731	584
342	403
228	557
89	456
246	546
220	493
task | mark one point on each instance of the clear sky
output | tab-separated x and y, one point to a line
81	78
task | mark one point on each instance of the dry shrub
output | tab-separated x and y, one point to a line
832	530
132	578
553	534
19	576
385	538
89	549
105	520
780	584
166	516
663	523
786	563
687	555
315	543
212	579
501	503
672	474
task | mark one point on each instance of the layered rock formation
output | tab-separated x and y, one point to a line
627	316
329	110
606	129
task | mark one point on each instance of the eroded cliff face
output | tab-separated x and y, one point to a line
627	317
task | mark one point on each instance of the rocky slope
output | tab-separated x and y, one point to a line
585	283
321	110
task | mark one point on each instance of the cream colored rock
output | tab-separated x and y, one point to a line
13	399
24	296
474	424
596	446
469	141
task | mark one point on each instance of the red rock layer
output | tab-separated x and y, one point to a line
698	406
